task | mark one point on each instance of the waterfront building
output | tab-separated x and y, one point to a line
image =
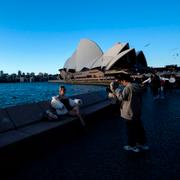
89	61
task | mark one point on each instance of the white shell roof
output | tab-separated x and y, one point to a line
117	58
89	55
91	63
66	65
71	62
109	55
86	52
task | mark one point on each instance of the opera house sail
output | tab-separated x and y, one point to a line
89	62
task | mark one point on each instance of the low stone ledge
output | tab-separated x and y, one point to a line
22	115
6	123
36	126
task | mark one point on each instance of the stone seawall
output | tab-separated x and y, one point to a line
23	121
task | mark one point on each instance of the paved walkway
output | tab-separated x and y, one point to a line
98	154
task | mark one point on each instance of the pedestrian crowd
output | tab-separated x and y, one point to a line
160	85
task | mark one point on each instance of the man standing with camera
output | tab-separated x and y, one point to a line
131	104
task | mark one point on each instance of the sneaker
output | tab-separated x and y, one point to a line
143	147
130	148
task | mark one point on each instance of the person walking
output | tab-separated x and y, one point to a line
155	86
131	104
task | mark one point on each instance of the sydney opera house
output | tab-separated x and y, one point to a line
89	62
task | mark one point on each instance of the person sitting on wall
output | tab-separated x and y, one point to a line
65	105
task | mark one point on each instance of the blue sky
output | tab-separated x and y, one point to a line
39	35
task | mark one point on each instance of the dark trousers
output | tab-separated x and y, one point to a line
155	91
135	132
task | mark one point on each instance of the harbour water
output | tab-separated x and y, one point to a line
12	94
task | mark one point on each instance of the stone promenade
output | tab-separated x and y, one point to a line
73	154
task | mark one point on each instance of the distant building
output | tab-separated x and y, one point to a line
31	79
28	77
19	73
89	61
40	74
32	74
1	73
22	79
